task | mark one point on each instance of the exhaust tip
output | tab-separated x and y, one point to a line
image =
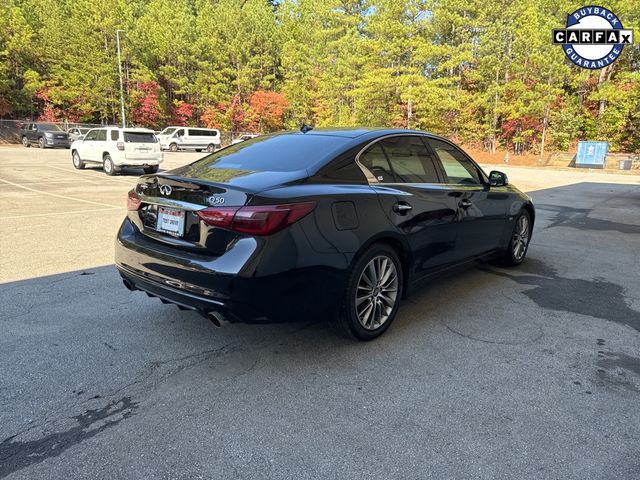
128	284
216	318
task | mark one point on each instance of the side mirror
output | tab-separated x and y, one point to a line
498	179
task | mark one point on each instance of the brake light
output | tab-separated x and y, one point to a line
256	220
133	200
219	216
120	145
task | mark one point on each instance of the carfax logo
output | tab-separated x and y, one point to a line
594	37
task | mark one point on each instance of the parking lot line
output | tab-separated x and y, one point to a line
93	177
73	212
58	196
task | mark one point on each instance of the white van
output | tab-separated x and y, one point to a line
188	138
114	147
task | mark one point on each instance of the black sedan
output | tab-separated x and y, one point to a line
337	224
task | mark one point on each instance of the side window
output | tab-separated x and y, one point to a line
115	135
374	160
410	160
180	133
101	135
91	135
456	165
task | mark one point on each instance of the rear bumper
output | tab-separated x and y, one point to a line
230	284
124	160
56	142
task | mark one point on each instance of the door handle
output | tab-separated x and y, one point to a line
402	208
464	203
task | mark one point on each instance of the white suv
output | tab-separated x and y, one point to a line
187	138
115	148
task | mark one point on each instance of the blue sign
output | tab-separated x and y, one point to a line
591	154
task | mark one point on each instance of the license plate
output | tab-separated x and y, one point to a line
170	221
143	149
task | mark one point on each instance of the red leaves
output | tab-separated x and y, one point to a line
266	111
263	112
182	112
146	110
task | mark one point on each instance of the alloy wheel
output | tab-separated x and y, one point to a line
520	238
377	292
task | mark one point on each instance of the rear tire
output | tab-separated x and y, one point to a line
173	147
372	296
77	161
211	148
518	242
25	142
108	166
152	169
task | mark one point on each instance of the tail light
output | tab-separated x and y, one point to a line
120	145
256	220
133	201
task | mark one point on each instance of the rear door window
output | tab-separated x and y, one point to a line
139	137
115	135
410	160
374	160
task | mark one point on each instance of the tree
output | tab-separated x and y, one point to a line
266	111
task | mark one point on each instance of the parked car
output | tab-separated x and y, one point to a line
76	132
336	224
186	138
115	148
45	135
242	138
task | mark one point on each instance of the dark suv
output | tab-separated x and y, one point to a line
45	135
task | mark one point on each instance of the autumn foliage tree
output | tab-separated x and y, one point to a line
146	109
266	111
485	73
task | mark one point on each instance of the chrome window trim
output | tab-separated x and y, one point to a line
371	179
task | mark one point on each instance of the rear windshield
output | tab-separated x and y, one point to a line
139	137
50	127
280	153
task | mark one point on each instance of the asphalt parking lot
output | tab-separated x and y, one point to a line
489	373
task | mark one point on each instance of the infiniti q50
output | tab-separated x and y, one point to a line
337	224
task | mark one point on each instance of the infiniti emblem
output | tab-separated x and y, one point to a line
165	189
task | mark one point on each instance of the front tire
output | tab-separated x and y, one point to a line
373	294
173	147
519	241
108	166
25	142
77	161
41	142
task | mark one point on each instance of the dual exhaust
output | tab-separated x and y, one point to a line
216	318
